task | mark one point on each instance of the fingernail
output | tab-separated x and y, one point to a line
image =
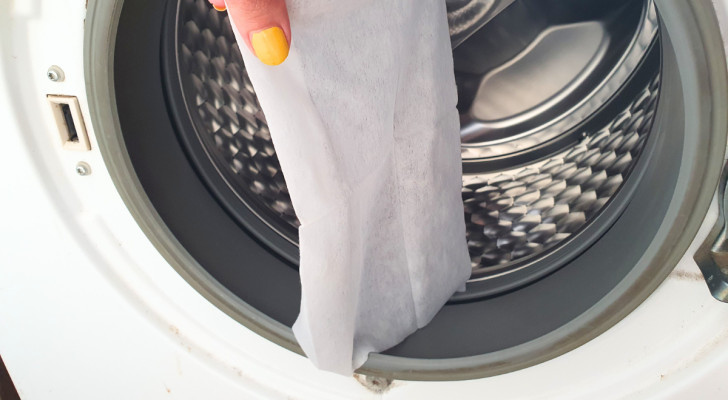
270	45
222	8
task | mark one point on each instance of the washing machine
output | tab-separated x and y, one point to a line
149	246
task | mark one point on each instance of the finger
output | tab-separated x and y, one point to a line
264	26
218	4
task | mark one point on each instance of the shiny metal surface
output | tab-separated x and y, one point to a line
226	114
563	75
510	215
519	212
500	95
465	17
712	256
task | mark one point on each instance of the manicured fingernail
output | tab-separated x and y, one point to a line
270	45
222	8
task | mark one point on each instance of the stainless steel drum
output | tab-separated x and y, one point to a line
546	141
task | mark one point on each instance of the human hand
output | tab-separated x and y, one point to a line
263	24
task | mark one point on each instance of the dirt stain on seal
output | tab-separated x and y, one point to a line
686	275
375	384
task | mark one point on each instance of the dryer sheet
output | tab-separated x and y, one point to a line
363	119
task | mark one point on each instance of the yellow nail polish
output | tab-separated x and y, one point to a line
270	45
219	8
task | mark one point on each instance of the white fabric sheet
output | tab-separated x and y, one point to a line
362	116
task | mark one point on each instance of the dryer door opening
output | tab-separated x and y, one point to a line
589	149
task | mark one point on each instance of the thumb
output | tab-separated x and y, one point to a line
264	26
